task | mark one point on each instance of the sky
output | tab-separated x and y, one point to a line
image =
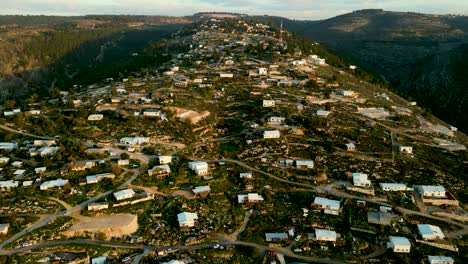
294	9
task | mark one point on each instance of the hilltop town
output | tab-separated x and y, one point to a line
248	146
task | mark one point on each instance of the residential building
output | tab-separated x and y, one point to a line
47	151
405	149
271	134
123	162
99	260
344	92
164	159
4	160
99	177
124	194
44	142
430	232
7	185
262	71
152	112
17	164
393	187
34	112
226	75
96	117
249	198
276	119
276	237
399	244
134	141
304	164
325	235
327	205
187	219
268	103
4	229
98	206
323	113
160	170
82	165
53	184
435	191
440	260
361	180
199	167
350	147
245	175
40	170
8	146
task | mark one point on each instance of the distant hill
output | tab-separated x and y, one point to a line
39	52
422	55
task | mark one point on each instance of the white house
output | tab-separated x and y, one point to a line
96	117
276	237
245	175
44	142
329	206
440	260
405	149
8	146
98	206
4	229
325	235
164	159
226	75
47	151
352	67
304	164
52	184
436	191
344	92
99	260
199	167
350	147
323	113
152	112
268	103
7	185
159	170
262	71
430	232
250	198
99	177
134	141
124	194
34	112
361	180
276	119
4	160
40	170
399	244
17	164
393	187
187	219
123	162
201	189
271	134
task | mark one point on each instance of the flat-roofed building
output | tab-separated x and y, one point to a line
249	198
325	235
276	237
124	194
430	232
432	191
327	205
187	219
393	187
399	244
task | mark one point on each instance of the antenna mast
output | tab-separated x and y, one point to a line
281	32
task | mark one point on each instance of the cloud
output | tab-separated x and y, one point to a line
299	9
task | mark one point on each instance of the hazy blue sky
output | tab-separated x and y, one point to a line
299	9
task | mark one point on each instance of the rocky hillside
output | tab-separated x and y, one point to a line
419	54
